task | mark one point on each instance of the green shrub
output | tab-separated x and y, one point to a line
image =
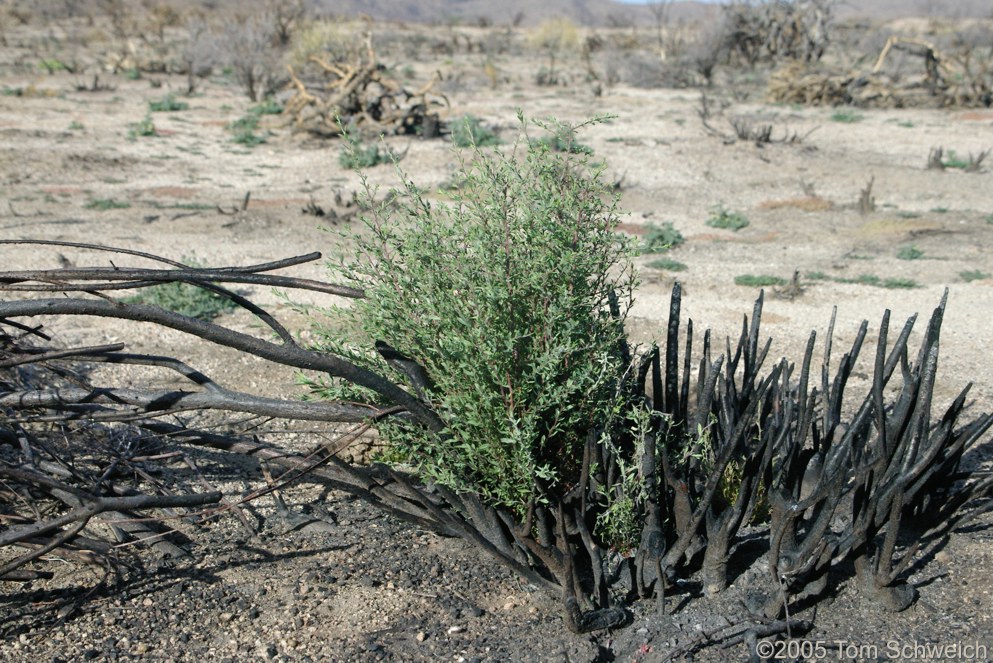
909	252
184	298
168	104
107	203
245	129
893	283
468	131
759	280
357	154
562	138
145	128
666	264
846	116
500	294
267	106
53	65
897	283
661	238
955	161
726	219
973	275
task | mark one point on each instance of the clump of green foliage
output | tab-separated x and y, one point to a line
726	219
970	275
106	204
954	161
501	294
357	153
846	116
659	239
909	252
667	264
184	298
144	129
759	280
245	131
562	138
893	283
53	65
469	131
168	104
246	128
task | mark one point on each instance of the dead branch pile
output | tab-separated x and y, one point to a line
726	449
960	80
362	94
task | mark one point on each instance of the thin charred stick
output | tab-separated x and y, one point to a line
293	356
89	279
671	394
72	402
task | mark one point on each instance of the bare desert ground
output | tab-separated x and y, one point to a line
75	166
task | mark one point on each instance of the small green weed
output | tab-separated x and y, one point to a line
971	275
145	128
468	131
955	161
940	210
356	154
267	106
846	116
909	252
184	298
900	284
196	207
873	280
758	280
53	65
76	126
666	264
937	160
244	131
661	238
818	276
726	219
168	104
106	204
246	128
563	139
132	74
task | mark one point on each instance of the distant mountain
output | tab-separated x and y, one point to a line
608	12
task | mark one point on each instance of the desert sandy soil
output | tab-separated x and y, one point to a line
368	587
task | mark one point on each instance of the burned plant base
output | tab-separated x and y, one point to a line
717	467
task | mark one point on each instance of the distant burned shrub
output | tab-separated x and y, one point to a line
554	37
254	55
765	31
